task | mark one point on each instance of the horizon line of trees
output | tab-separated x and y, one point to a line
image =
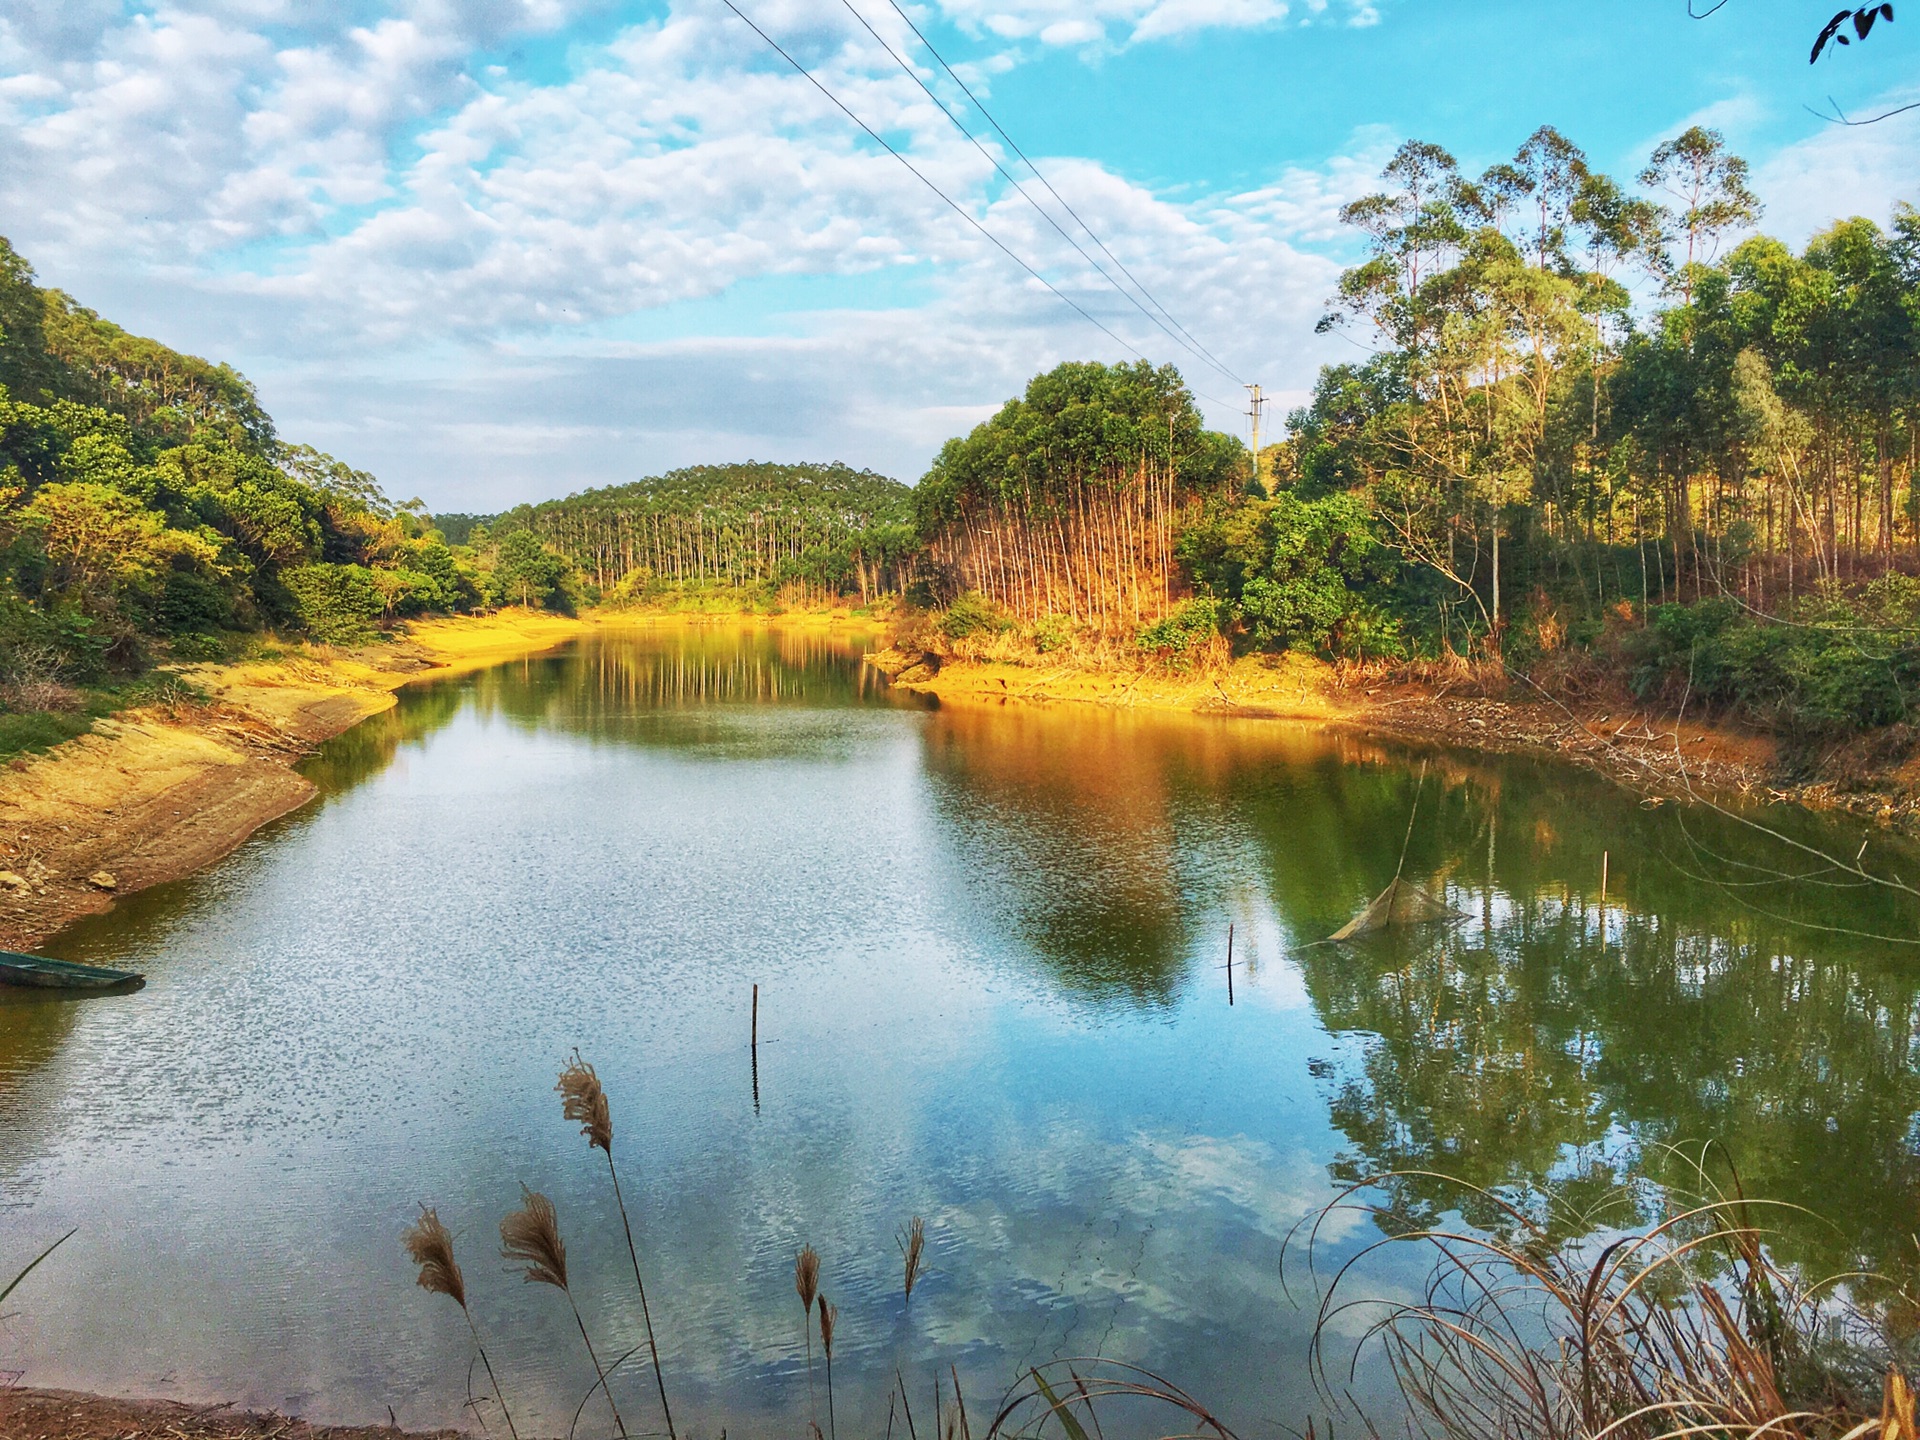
824	528
1584	402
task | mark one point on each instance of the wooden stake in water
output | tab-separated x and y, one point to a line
1603	901
755	1047
1229	967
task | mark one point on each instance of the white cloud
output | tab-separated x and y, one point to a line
1180	17
1813	182
378	227
1304	203
1093	23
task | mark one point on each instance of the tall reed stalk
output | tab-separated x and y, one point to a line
585	1100
912	1249
431	1246
806	1283
828	1315
531	1236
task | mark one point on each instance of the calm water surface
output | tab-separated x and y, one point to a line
989	944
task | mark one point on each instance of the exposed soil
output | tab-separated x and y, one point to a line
160	793
63	1415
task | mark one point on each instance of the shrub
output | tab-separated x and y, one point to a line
29	634
1301	574
190	601
973	614
195	646
1051	634
1834	664
1185	633
335	604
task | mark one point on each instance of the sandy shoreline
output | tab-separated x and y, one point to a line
162	792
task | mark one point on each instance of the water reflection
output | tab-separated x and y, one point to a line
1064	840
989	943
1557	1036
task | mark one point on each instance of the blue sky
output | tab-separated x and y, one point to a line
506	249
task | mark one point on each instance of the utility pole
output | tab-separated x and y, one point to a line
1259	403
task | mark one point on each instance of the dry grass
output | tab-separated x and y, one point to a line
430	1244
530	1236
806	1275
829	1317
1686	1327
1061	1393
33	677
806	1282
584	1100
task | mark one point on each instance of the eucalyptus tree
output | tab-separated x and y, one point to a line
1709	183
1069	499
1478	286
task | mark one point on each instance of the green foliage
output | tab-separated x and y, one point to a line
35	731
973	614
457	527
144	494
1052	632
1301	574
527	572
336	604
827	528
1192	627
1080	423
1834	664
198	647
1067	499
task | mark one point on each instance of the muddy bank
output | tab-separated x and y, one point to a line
1639	748
64	1415
161	792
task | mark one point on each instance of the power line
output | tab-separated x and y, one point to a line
955	205
1000	130
1186	344
958	208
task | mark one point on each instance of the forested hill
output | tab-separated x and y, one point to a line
148	510
54	349
736	525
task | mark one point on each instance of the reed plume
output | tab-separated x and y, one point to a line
828	1315
584	1099
530	1236
912	1247
806	1281
430	1245
806	1275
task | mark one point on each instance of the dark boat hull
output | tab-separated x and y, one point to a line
38	972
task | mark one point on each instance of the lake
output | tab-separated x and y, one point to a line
990	943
